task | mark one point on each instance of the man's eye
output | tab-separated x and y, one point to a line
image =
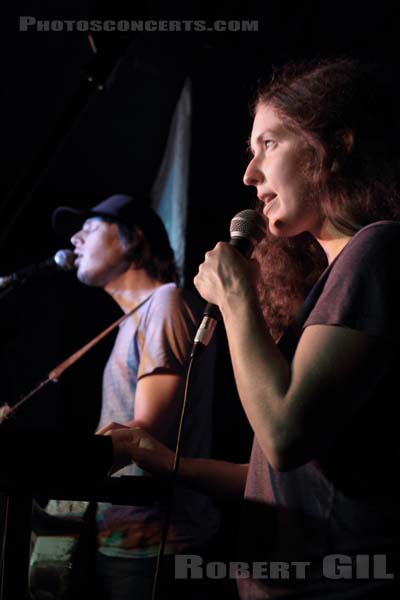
268	143
90	227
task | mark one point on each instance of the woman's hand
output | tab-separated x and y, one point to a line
143	449
224	274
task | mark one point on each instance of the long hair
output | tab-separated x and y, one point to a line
347	112
289	267
147	250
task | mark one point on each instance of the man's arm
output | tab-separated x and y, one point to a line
158	401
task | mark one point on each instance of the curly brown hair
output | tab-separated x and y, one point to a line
347	112
289	267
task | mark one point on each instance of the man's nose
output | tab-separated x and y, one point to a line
77	238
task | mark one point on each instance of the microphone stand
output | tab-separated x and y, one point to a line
98	77
62	260
10	287
6	411
17	507
17	280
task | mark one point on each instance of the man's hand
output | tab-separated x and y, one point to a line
142	448
110	427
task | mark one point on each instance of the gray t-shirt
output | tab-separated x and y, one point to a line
345	501
157	338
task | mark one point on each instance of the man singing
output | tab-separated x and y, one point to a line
122	247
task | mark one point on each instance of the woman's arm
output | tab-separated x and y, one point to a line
291	408
217	478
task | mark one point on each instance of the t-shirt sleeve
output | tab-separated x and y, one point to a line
167	332
362	290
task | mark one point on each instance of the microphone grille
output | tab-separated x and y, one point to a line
248	224
64	259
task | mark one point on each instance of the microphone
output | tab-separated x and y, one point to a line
247	229
63	260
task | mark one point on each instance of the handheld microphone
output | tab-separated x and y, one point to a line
247	229
63	260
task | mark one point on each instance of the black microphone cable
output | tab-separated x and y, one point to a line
247	228
172	484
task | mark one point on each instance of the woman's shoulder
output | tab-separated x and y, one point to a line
379	230
373	240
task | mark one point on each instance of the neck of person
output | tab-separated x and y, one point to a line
131	288
331	239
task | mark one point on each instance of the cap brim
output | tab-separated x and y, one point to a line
66	220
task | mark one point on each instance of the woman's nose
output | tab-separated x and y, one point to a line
252	175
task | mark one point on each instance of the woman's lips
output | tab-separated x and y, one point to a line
268	200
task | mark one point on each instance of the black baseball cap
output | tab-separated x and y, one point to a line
131	211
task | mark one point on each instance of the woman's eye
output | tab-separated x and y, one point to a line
268	143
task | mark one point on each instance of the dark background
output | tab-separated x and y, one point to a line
115	143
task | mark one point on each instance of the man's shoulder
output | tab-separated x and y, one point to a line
170	296
166	294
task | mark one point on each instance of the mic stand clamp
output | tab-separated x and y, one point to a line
9	287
